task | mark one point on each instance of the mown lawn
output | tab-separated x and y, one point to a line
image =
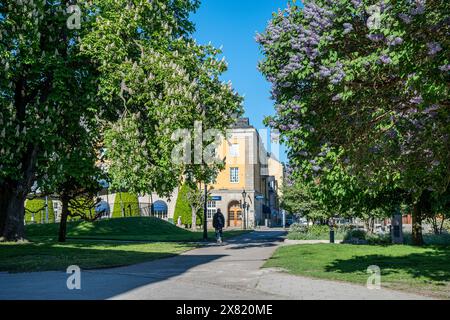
45	256
421	270
124	229
103	244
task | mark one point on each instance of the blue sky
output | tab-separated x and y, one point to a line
233	24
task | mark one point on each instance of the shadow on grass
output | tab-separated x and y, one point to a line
432	266
131	269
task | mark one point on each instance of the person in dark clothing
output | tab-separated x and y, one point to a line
219	224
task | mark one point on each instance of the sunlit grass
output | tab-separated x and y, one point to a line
423	270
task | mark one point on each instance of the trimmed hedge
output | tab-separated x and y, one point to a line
183	208
129	200
37	207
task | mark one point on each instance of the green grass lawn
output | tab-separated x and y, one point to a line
45	256
124	229
421	270
102	244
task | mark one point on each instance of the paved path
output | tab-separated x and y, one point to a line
231	272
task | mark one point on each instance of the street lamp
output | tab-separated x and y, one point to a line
244	207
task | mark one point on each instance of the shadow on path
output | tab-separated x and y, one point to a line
108	283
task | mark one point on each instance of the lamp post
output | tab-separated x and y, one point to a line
244	207
331	224
205	214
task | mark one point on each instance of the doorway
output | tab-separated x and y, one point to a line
235	215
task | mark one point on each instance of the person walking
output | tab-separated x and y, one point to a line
219	224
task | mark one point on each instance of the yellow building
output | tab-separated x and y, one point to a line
249	171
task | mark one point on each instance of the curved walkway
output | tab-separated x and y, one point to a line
229	272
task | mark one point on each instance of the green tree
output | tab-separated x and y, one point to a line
370	82
42	78
55	75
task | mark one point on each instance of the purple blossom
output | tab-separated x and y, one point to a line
445	67
316	168
416	100
392	134
356	3
405	18
375	37
337	97
324	72
419	8
435	163
394	41
347	28
295	107
433	48
432	110
385	59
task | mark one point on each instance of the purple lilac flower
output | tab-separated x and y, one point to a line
416	100
385	59
394	41
338	73
405	18
435	163
348	28
392	134
336	97
445	67
419	8
375	37
316	168
433	48
356	3
432	110
295	107
324	72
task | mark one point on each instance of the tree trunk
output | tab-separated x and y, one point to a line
434	223
13	217
5	195
64	216
441	228
194	219
417	237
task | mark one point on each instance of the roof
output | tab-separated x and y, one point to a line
243	123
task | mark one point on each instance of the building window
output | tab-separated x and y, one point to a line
234	175
234	150
212	209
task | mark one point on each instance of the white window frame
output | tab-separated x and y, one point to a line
212	209
234	175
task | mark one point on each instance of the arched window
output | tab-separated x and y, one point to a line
160	210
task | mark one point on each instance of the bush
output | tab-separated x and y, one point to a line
130	203
446	227
36	208
315	232
430	239
298	228
381	239
355	235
